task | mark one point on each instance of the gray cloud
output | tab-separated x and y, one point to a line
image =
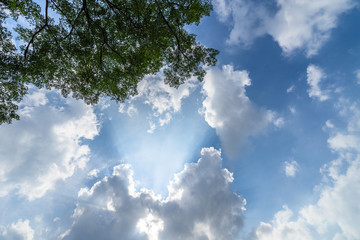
200	205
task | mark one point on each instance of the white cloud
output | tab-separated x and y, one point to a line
279	122
357	74
45	145
93	173
200	205
129	109
292	109
20	230
344	141
151	226
222	9
291	168
163	99
227	108
248	23
290	89
349	140
304	25
160	96
338	205
282	228
36	98
104	103
329	124
152	127
336	213
314	77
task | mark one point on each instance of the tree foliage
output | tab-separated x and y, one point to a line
96	48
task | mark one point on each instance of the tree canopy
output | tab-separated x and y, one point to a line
96	48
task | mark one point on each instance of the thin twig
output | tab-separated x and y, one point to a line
37	32
67	19
171	29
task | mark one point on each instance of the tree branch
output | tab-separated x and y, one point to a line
67	19
37	32
113	7
172	30
101	55
103	31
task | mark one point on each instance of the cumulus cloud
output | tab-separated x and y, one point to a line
36	98
227	108
306	24
344	141
314	76
200	205
283	228
45	145
20	230
349	139
291	168
335	214
163	99
295	25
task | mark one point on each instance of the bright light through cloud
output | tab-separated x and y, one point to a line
206	207
151	226
157	156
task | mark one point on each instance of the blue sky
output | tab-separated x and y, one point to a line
266	147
